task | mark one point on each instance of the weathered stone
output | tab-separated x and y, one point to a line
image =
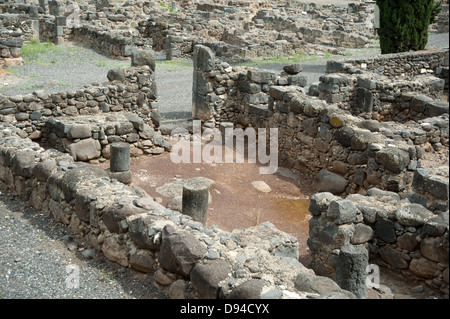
115	251
343	136
204	59
195	200
408	241
362	234
436	226
320	202
319	285
123	128
413	215
251	289
144	230
205	278
120	210
120	157
392	257
143	261
351	269
262	77
342	211
85	150
299	80
143	57
432	248
393	159
326	181
385	230
180	251
423	267
116	75
374	191
43	170
293	68
23	163
80	131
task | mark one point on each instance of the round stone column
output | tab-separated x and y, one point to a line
195	201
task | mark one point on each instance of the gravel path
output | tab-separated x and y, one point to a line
39	260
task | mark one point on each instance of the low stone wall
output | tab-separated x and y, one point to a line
431	188
380	97
188	260
111	43
406	64
49	118
345	153
11	51
405	237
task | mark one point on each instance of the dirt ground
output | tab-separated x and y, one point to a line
235	201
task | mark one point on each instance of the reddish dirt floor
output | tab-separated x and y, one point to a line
235	202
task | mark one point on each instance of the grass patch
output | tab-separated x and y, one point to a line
46	53
101	63
172	64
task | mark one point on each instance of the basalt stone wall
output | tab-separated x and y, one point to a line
188	260
431	188
345	153
407	64
235	94
114	44
49	118
18	26
403	236
11	51
381	98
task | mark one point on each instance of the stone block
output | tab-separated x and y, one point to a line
205	277
204	58
413	215
393	159
326	181
85	150
342	211
385	230
351	269
180	251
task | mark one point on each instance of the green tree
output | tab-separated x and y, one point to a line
404	24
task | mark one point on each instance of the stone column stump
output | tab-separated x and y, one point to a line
195	201
351	269
120	162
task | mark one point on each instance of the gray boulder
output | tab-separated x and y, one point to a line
413	215
321	285
180	251
326	181
393	159
205	278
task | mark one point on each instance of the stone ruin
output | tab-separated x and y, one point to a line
362	132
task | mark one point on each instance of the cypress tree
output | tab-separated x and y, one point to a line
404	24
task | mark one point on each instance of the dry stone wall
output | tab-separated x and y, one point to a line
401	235
188	259
86	121
346	153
